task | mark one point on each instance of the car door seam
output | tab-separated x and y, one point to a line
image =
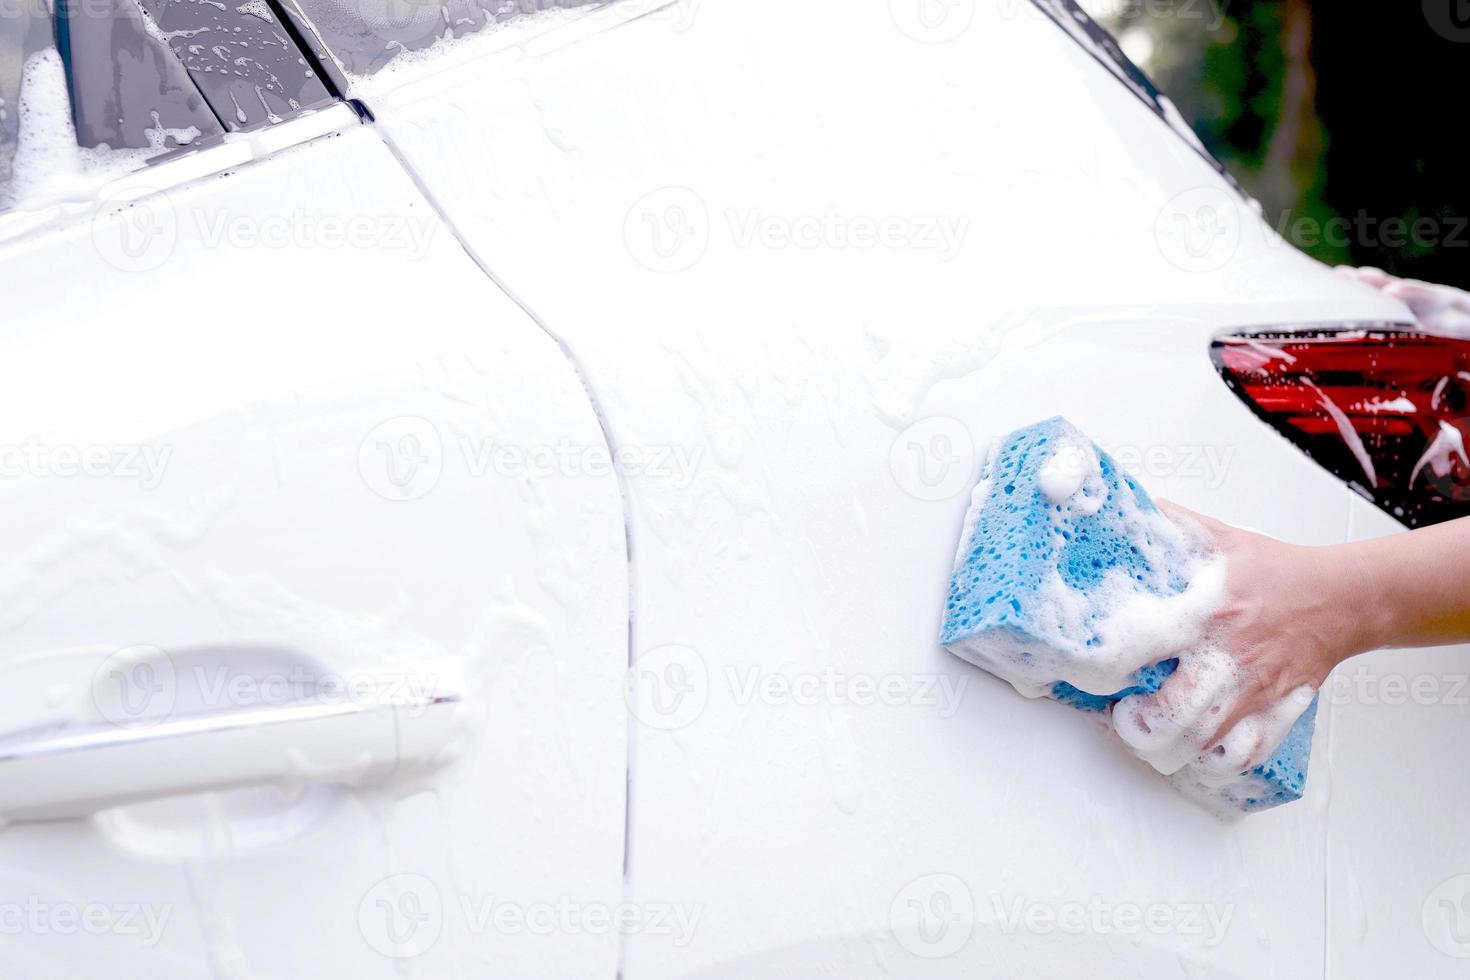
624	496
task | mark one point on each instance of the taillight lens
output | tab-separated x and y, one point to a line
1385	409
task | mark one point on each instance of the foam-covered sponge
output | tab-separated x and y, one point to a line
1070	583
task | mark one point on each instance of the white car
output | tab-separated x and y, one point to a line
484	508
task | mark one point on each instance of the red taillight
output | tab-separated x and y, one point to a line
1386	409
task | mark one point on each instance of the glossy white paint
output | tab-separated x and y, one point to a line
1398	851
813	381
806	266
289	535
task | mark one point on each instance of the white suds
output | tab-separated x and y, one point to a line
49	165
1213	778
1350	436
257	8
1448	444
1061	477
46	155
1170	730
1097	637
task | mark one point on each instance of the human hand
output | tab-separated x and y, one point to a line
1283	624
1439	309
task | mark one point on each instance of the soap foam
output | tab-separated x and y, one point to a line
1062	476
1070	583
1094	635
1169	731
49	166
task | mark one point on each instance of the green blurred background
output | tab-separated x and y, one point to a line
1343	120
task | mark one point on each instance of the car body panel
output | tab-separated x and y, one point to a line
1398	875
835	398
318	372
805	267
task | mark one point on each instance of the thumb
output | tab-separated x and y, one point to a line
1218	530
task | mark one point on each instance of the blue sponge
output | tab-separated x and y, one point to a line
1063	564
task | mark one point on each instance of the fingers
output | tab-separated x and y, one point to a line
1441	309
1367	275
1172	728
1233	754
1181	515
1180	725
1253	739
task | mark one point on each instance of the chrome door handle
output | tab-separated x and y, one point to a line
71	771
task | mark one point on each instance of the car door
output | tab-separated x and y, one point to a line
316	599
821	259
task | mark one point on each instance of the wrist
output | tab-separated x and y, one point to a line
1352	600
